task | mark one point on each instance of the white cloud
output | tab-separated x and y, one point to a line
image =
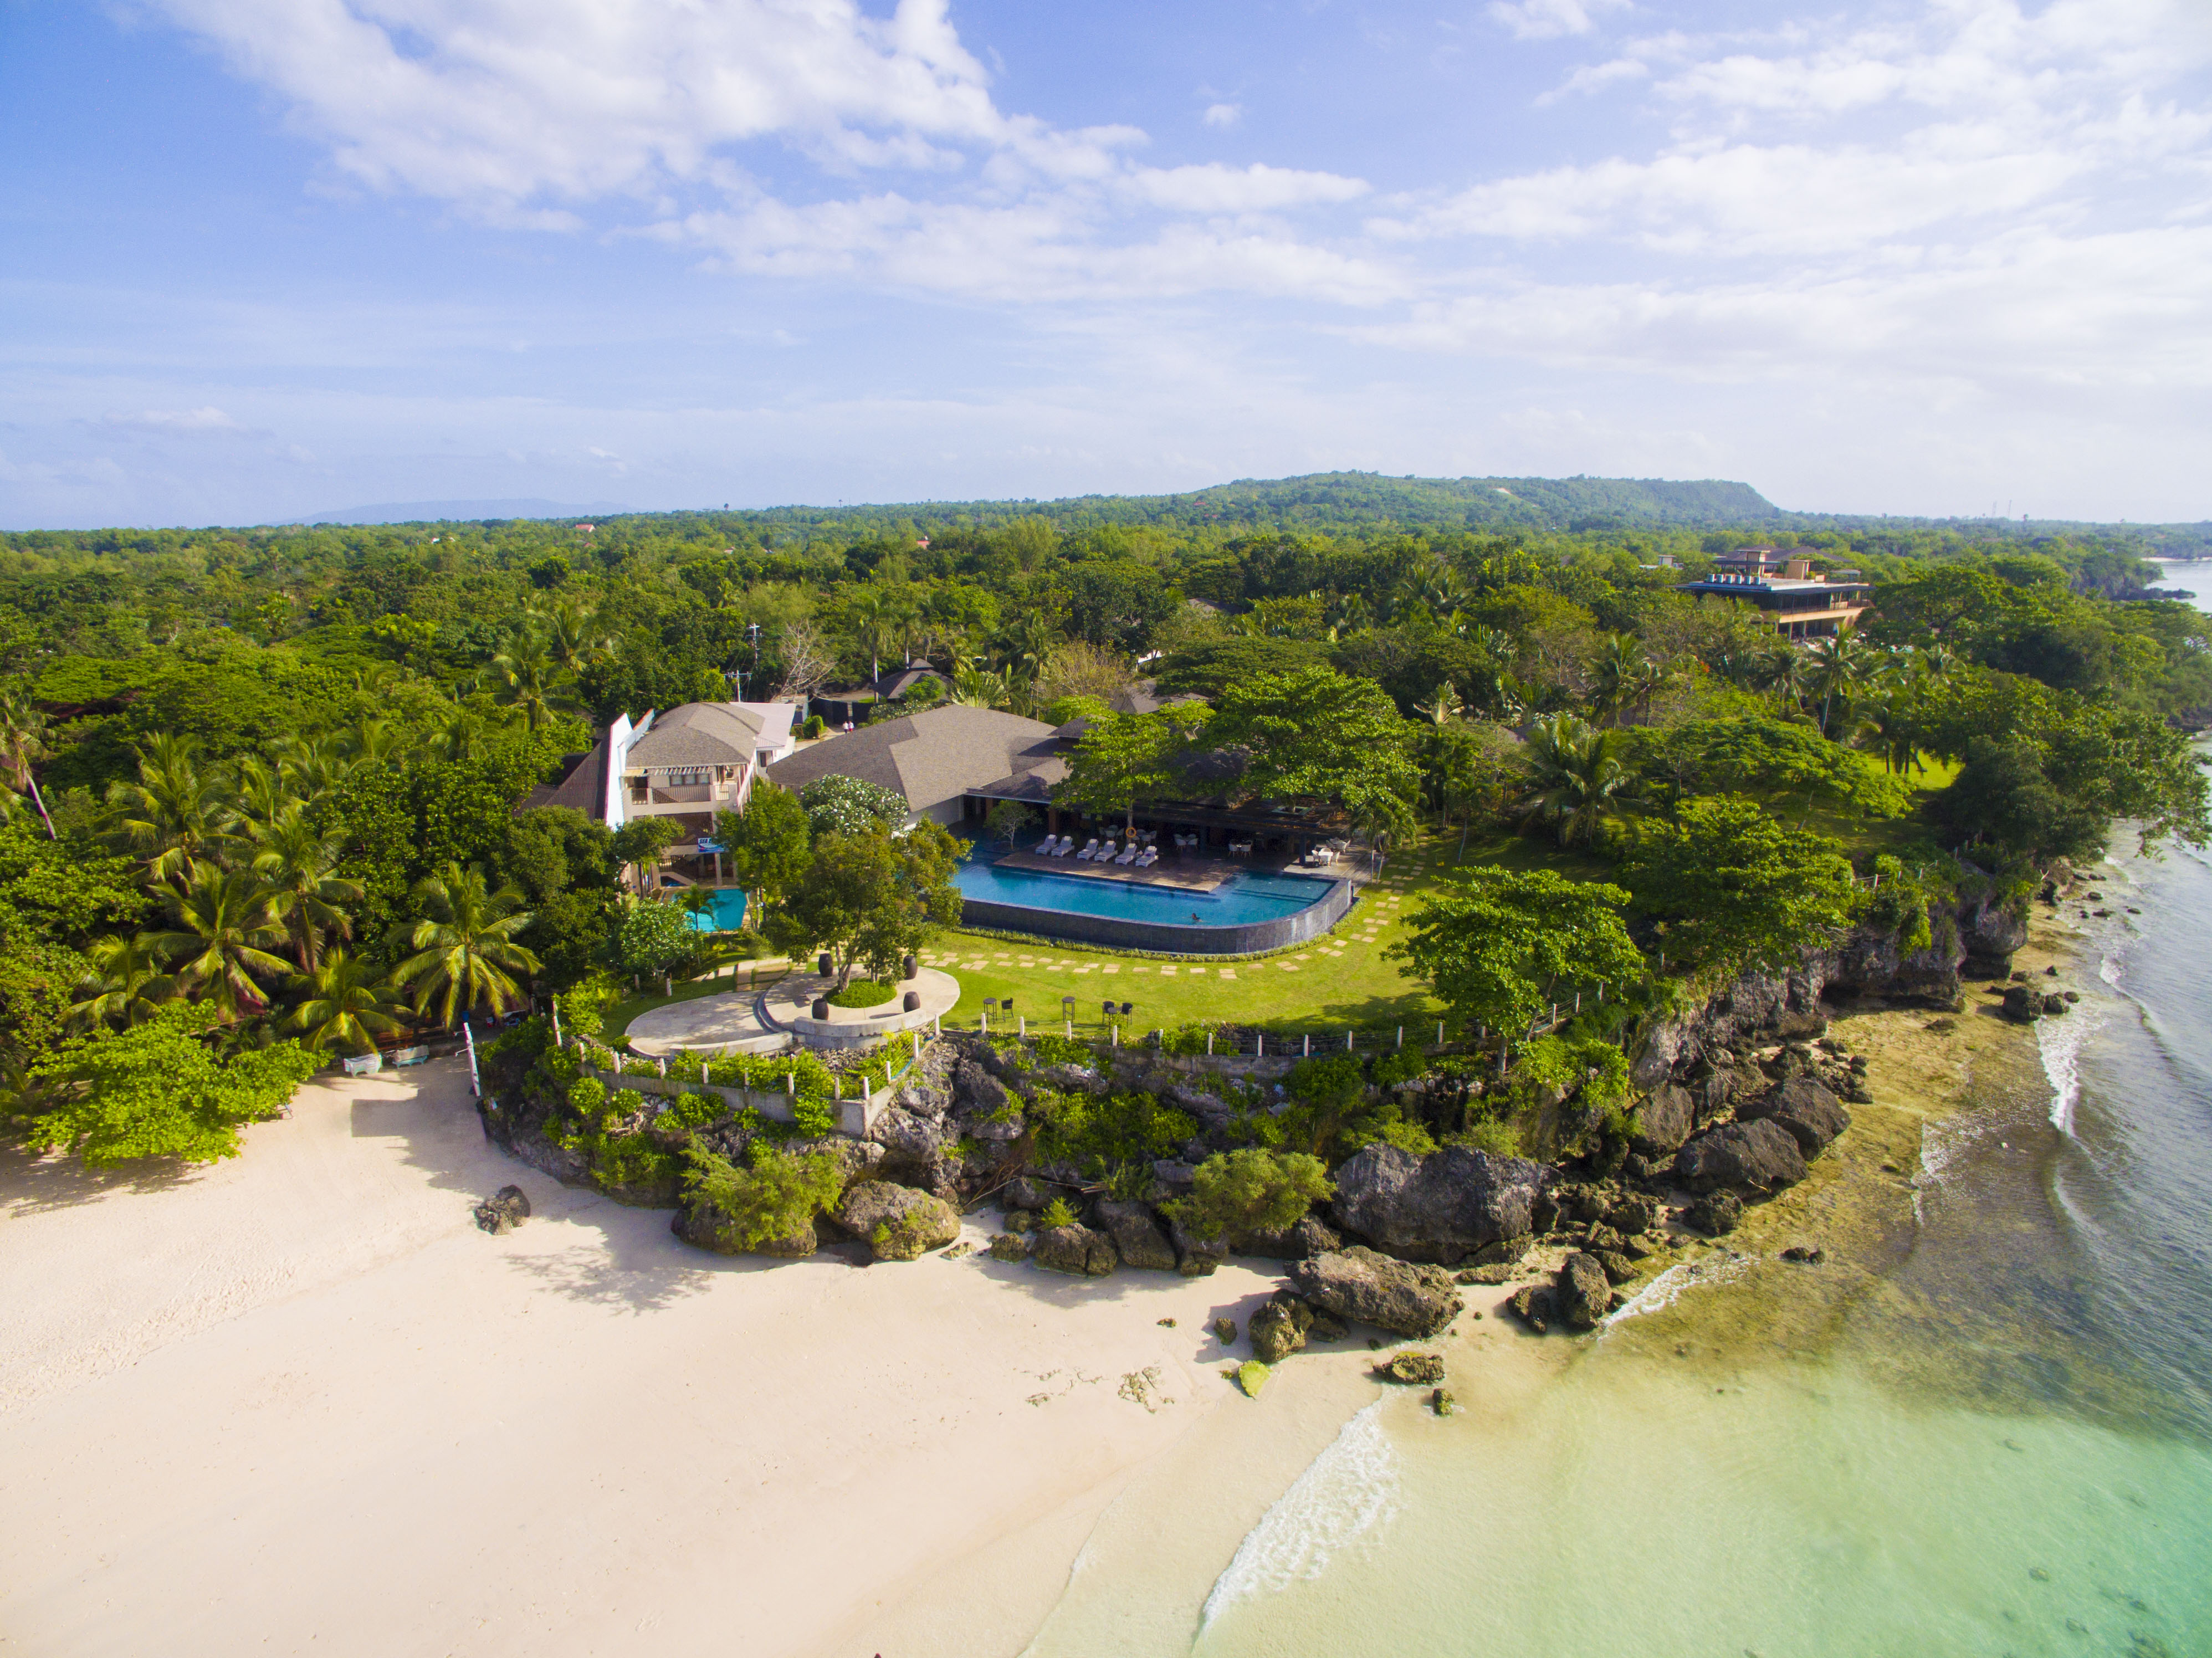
1214	188
1223	115
1545	19
207	422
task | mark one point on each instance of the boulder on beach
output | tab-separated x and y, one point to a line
896	1222
1618	1268
1631	1215
1663	1122
1415	1370
1138	1238
1715	1214
1010	1246
1440	1207
503	1211
1224	1332
1076	1249
1279	1328
1028	1192
1583	1294
1755	1155
1309	1237
1532	1304
1802	1108
1367	1287
1196	1257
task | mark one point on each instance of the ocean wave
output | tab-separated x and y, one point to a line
1348	1491
1676	1281
2059	1044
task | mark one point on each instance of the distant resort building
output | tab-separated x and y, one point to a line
689	764
948	763
1782	583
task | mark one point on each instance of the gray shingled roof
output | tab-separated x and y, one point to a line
930	757
698	734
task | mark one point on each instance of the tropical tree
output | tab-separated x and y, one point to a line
1734	889
176	814
1576	780
465	954
346	1001
767	845
1442	708
1841	663
299	860
375	742
220	922
976	687
873	622
1322	735
1124	757
1622	677
22	745
129	983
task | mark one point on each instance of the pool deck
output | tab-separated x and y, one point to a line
1191	872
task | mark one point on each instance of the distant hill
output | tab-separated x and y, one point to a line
443	512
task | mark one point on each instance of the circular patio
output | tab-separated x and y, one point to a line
768	1020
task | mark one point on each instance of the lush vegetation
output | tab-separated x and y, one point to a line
267	789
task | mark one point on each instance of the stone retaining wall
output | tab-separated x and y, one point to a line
855	1115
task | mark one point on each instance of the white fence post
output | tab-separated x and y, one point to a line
1440	1033
1209	1044
1025	1025
1259	1042
1307	1051
985	1016
1348	1041
1402	1036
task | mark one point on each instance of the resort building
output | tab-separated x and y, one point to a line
948	763
689	764
1799	602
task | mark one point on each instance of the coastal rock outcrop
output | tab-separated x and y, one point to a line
1367	1287
1137	1236
1413	1369
896	1222
1807	1112
503	1211
1075	1249
1308	1238
1583	1294
1196	1257
1441	1207
1663	1122
1279	1328
1755	1155
1715	1214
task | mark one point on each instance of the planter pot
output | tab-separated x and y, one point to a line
822	964
911	1002
822	1007
907	968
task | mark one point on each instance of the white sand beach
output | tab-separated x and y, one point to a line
296	1402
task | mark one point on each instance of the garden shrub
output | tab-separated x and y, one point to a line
863	992
1063	1050
1253	1190
772	1196
689	1111
1500	1140
1186	1039
813	1117
1057	1213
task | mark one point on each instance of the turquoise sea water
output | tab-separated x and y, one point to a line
1998	1442
1250	895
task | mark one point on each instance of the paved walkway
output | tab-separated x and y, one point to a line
732	1023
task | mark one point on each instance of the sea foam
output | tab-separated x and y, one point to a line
1348	1491
1676	1281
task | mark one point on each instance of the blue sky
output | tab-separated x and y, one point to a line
260	258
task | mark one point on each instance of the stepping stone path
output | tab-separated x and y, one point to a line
1228	972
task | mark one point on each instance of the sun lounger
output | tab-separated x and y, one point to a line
1089	849
1128	856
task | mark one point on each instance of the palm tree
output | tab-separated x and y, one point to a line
348	1001
175	815
1621	673
23	745
1443	708
533	678
1575	779
220	920
1841	663
974	687
259	792
127	982
375	742
313	767
298	859
464	950
572	638
870	617
1788	674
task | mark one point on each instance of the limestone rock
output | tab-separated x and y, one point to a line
1076	1249
1137	1236
1532	1305
1716	1215
1808	1113
896	1222
1307	1239
1501	1272
1327	1326
1618	1268
1442	1402
1028	1192
975	1091
1583	1294
1505	1252
1811	1255
1278	1330
503	1211
1631	1215
1010	1246
1756	1154
1367	1287
1440	1207
1224	1332
1196	1257
1663	1122
1415	1370
904	1133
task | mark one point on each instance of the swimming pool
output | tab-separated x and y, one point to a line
726	913
1252	910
